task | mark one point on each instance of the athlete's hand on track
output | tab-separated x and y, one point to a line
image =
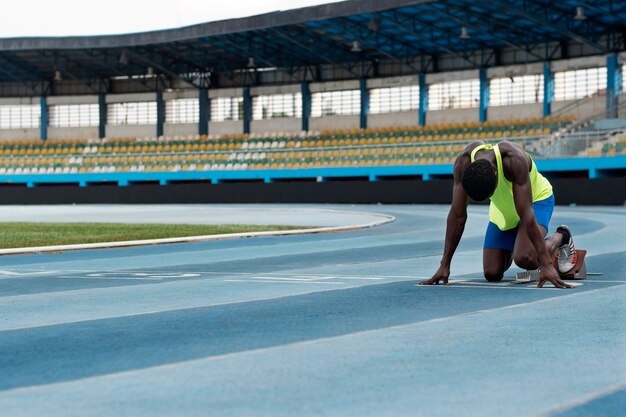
442	274
549	273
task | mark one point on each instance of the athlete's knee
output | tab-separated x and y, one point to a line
526	261
493	275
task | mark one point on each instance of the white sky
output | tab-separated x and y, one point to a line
20	18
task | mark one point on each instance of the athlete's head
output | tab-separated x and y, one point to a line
479	180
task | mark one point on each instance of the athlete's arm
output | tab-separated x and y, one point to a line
457	216
516	168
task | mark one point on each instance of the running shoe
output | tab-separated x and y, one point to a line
567	256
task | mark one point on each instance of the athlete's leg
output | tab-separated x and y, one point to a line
524	254
495	263
497	252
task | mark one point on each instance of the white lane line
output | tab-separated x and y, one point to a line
227	356
285	282
114	278
495	287
13	274
305	277
502	285
360	278
291	278
188	306
583	400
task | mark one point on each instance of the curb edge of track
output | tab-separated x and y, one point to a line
384	219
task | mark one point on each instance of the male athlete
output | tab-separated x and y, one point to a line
519	214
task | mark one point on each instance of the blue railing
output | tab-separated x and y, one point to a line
591	167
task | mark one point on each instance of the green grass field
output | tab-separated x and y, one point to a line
21	235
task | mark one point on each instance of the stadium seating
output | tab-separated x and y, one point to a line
612	146
438	144
616	146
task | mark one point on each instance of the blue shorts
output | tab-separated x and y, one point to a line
497	239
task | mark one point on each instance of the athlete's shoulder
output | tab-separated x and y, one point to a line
469	148
515	162
510	149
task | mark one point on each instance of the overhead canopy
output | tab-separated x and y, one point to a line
413	34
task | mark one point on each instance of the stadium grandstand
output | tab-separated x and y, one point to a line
357	101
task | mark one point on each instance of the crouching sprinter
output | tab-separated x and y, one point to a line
519	214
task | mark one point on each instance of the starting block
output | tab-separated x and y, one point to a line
580	269
527	276
578	272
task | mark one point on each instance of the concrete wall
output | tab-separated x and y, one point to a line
452	116
273	89
334	122
408	118
72	132
593	107
180	129
518	111
130	98
226	128
282	124
19	134
84	99
130	131
334	86
393	81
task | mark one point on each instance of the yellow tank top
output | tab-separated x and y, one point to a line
502	210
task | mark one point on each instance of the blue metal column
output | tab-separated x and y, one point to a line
247	109
548	89
423	105
160	113
306	105
613	85
365	103
102	111
203	123
484	95
43	131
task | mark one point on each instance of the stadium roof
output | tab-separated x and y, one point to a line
413	34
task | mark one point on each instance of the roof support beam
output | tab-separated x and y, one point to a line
107	82
396	23
238	46
546	23
19	67
67	71
308	49
29	86
477	29
366	41
151	63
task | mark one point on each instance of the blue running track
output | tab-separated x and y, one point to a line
312	325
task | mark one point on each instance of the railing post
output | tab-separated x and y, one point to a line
247	109
423	104
160	113
102	111
548	89
306	105
43	128
365	103
484	95
203	123
613	85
